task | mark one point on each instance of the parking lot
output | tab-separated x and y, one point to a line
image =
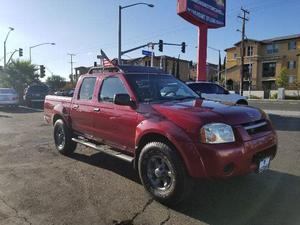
40	186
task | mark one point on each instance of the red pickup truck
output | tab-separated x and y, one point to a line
157	123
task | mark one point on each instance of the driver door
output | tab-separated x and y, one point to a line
114	124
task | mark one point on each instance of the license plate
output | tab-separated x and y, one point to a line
264	164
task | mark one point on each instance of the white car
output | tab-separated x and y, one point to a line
215	92
9	97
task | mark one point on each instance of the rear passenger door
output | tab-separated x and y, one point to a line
82	108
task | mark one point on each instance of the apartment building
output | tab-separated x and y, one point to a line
263	62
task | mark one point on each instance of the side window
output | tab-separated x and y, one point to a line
220	90
110	87
87	88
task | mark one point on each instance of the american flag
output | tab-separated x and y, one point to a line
105	61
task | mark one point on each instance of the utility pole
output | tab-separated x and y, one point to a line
243	17
71	62
152	54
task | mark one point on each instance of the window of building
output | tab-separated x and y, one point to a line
272	48
249	50
292	79
292	45
235	55
291	64
87	88
247	71
269	69
110	87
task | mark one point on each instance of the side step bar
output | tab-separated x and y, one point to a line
103	149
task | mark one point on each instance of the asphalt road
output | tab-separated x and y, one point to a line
39	186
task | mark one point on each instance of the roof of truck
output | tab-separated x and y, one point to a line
140	69
127	69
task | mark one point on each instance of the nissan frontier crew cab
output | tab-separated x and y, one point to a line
157	123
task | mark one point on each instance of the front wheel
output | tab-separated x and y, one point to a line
63	138
163	174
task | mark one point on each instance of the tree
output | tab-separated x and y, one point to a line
19	74
283	80
56	82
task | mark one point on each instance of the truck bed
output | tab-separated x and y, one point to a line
51	101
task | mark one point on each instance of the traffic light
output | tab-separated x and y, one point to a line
183	47
20	52
160	45
42	71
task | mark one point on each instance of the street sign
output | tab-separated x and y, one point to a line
146	53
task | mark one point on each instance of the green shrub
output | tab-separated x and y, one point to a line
274	96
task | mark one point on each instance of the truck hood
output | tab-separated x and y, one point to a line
199	112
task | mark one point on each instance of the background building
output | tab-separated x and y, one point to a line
263	62
182	69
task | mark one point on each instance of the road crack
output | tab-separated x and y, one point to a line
167	219
130	221
16	212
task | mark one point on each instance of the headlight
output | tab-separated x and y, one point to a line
216	133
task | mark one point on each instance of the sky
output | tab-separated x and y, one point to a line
83	27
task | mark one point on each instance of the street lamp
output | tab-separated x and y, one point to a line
10	30
47	43
219	64
119	36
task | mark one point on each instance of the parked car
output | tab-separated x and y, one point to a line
68	93
35	94
157	123
215	92
9	97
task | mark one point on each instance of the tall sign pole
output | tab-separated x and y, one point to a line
202	53
204	14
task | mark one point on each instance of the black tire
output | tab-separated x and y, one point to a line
242	102
170	185
63	138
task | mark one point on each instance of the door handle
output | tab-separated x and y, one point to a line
96	110
75	106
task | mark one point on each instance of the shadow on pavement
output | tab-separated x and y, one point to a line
285	123
269	198
108	162
19	109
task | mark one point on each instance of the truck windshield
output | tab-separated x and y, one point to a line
154	87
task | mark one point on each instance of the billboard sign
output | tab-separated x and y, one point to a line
210	13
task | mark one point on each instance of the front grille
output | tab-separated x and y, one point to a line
256	127
270	152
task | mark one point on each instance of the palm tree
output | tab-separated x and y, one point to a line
18	74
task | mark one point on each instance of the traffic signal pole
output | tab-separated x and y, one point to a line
202	53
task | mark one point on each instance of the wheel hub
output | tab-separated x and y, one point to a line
159	172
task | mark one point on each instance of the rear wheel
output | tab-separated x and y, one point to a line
163	174
63	138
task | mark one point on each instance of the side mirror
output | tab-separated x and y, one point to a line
123	99
226	92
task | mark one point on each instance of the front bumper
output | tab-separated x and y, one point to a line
234	159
